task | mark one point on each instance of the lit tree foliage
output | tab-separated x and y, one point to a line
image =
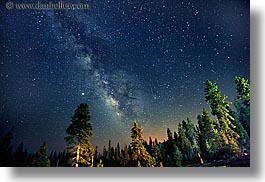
220	109
100	164
209	136
78	139
242	102
140	156
243	90
240	130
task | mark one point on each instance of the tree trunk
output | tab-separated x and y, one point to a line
201	160
77	155
92	161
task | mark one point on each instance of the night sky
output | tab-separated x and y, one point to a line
127	59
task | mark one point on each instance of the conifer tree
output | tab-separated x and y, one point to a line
78	137
110	155
209	136
175	136
117	155
243	90
172	150
169	162
220	109
240	130
242	102
177	156
191	134
169	134
41	158
6	149
163	152
96	156
125	156
20	157
156	142
105	154
157	156
54	159
140	156
150	142
190	130
119	149
185	145
150	145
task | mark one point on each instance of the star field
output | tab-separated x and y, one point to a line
126	59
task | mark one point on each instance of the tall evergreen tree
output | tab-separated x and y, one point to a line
156	154
163	152
172	150
209	136
185	145
242	102
96	156
240	130
243	90
175	136
125	156
119	149
219	107
41	159
169	134
110	157
105	154
140	156
117	157
177	156
150	145
78	137
190	130
191	134
156	142
54	159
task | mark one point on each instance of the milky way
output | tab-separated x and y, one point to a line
127	59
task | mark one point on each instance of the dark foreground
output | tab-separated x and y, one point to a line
242	161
